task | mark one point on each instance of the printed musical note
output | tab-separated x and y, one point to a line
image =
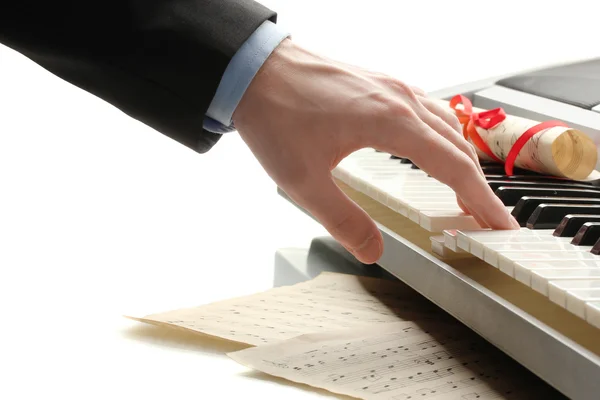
398	361
329	302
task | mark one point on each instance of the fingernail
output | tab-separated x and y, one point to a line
369	251
514	222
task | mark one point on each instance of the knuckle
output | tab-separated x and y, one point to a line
390	108
419	91
453	121
349	229
397	85
399	108
467	148
462	174
341	225
471	151
467	169
404	89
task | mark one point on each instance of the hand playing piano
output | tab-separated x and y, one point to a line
303	114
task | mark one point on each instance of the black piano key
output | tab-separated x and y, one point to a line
495	184
588	235
493	169
414	166
571	223
488	162
393	157
405	161
594	183
496	169
527	205
549	216
534	178
596	249
510	195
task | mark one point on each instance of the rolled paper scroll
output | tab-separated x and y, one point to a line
548	147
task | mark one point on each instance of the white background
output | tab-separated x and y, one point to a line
101	216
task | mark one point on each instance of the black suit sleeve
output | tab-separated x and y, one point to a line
159	61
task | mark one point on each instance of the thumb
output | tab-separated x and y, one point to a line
349	224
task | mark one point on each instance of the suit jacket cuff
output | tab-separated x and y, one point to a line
239	74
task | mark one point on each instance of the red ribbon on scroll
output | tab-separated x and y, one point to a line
488	120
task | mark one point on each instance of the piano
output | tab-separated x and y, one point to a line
533	293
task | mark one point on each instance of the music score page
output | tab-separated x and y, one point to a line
328	302
397	361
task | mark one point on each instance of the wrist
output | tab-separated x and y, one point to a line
267	82
239	73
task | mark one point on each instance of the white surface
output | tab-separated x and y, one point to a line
101	216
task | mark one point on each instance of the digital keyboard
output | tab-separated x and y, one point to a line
533	292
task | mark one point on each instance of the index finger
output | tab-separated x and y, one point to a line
438	157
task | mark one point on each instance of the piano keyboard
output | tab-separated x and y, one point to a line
555	253
559	267
404	189
534	293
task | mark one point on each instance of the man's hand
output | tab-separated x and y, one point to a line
302	114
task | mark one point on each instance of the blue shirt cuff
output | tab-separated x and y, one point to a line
239	74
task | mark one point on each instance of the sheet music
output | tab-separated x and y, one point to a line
398	361
539	154
330	301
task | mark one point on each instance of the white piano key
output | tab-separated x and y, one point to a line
507	260
384	178
577	298
463	241
424	205
437	246
412	183
557	290
382	197
415	211
478	250
524	269
528	240
476	241
540	278
413	215
493	252
450	241
386	169
540	245
592	313
484	233
427	198
396	205
502	236
438	221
